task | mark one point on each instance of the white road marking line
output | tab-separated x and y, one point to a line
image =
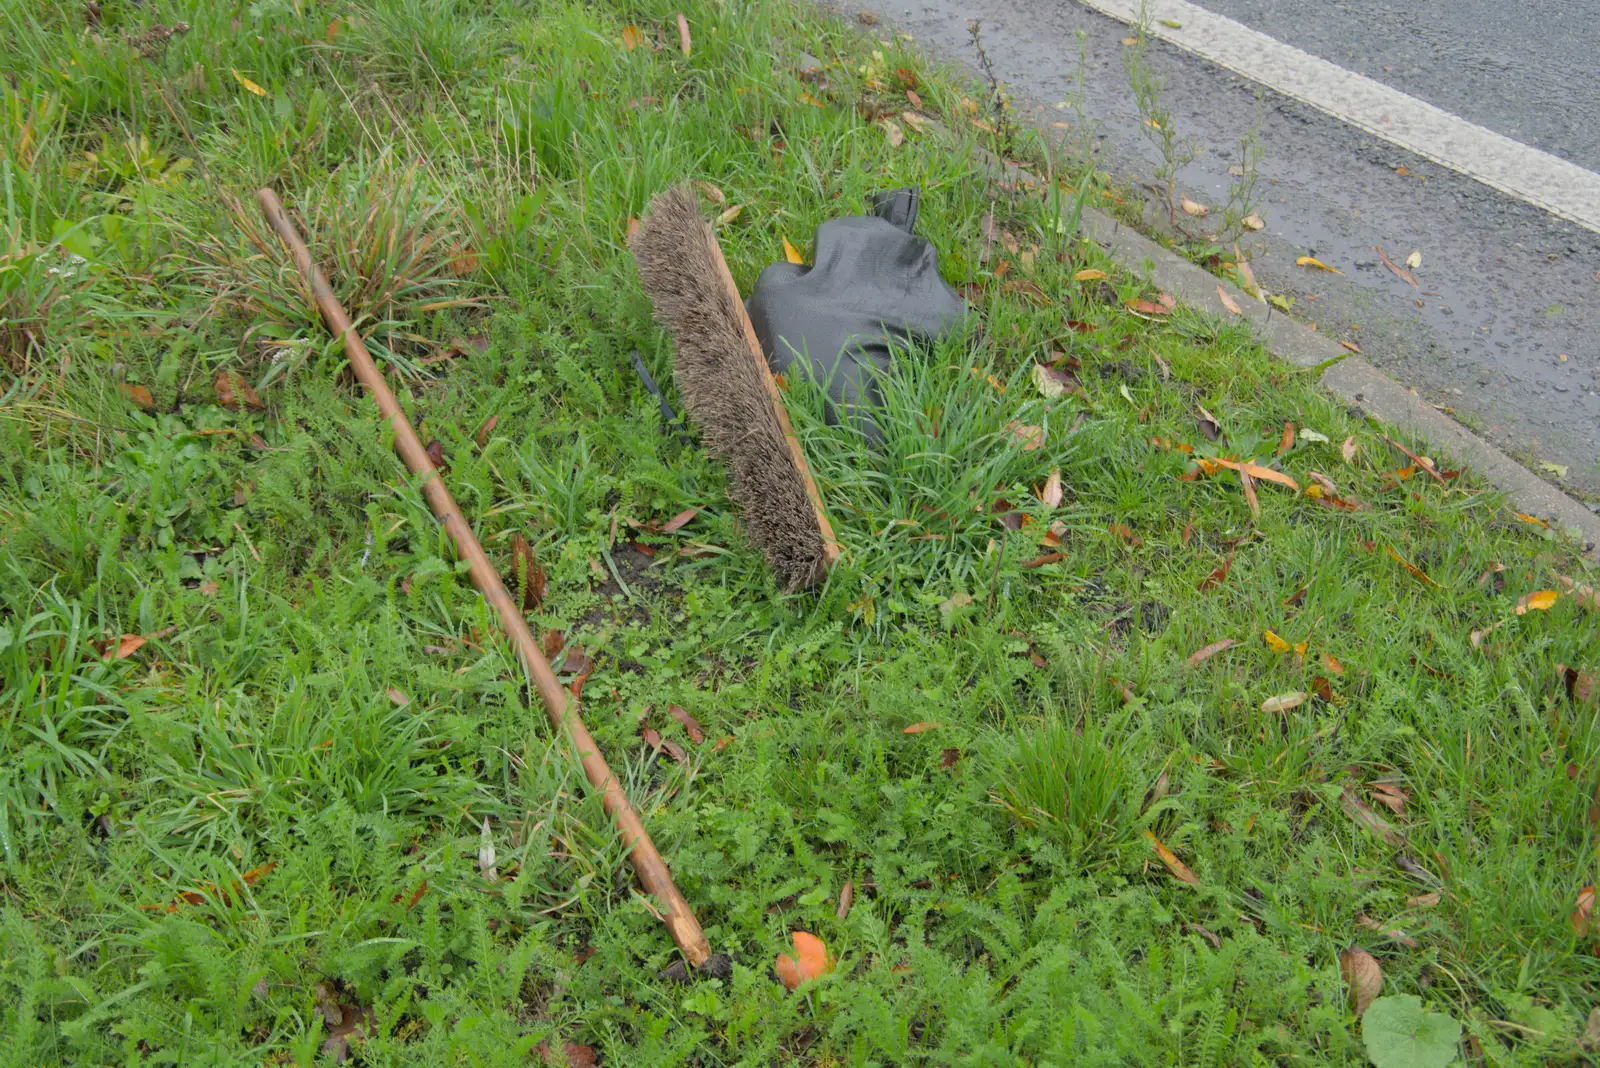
1551	183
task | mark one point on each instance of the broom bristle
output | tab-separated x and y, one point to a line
722	387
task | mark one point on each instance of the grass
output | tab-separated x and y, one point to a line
264	822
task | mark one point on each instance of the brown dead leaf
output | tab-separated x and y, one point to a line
1210	428
139	395
1286	442
1191	207
1218	576
1051	493
1398	271
918	728
1200	656
1391	797
1043	560
435	451
685	42
1123	531
949	758
398	697
526	574
125	646
554	641
892	131
1423	901
1322	688
1216	943
690	724
1331	663
1391	933
1147	308
1030	435
482	436
1249	486
1363	976
1348	450
572	1055
1362	813
1582	918
1178	868
1227	301
233	391
914	99
679	521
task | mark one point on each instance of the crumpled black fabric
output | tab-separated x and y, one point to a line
874	282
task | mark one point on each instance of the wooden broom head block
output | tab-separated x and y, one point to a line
728	389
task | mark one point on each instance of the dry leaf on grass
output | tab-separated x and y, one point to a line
1582	918
1217	576
1051	494
847	897
1284	702
1178	868
1227	301
1423	901
1030	435
918	728
1363	814
1148	309
1364	977
1088	274
792	254
690	724
125	646
712	193
729	214
685	42
482	436
1538	601
915	121
1348	450
233	392
1416	572
1200	656
1393	934
139	395
1194	208
810	960
632	37
527	575
1053	382
679	521
398	696
892	131
1275	643
1253	222
248	84
1331	663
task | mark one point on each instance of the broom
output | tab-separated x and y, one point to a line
728	389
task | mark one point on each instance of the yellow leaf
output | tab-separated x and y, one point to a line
1253	222
1195	208
792	254
1414	260
1537	602
1227	301
1275	643
1283	702
807	98
248	84
730	215
1178	868
713	194
1312	261
631	37
1088	275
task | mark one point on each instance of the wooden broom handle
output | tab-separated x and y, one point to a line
830	545
647	863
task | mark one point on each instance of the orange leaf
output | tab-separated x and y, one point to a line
1331	662
139	395
1250	498
685	42
1275	643
809	962
1178	868
248	84
1227	301
792	254
1287	441
1539	601
1200	656
1147	308
1218	576
1416	571
918	728
233	390
126	646
1088	275
1312	261
631	37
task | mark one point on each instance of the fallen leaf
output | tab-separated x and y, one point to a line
810	960
572	1054
1284	702
915	121
435	451
1307	434
1414	260
1210	428
1129	42
1255	470
916	100
1399	272
1216	943
1423	901
126	646
1391	933
632	37
1532	520
1167	300
1031	436
526	574
729	214
1331	663
398	696
1362	813
233	391
1322	688
1583	915
1171	24
1246	276
1538	601
1200	656
1253	222
1178	868
1352	346
847	897
1559	470
679	521
1275	643
949	758
1217	577
712	193
1088	274
685	42
1312	261
1348	450
1416	572
482	436
1148	308
1051	494
554	642
1126	533
1362	974
1053	382
1286	440
248	84
1191	207
1041	561
892	131
1391	797
1227	301
653	739
1250	498
918	728
690	724
139	395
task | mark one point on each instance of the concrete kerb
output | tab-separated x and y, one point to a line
1351	379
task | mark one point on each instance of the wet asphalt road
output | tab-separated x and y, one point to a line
1505	289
